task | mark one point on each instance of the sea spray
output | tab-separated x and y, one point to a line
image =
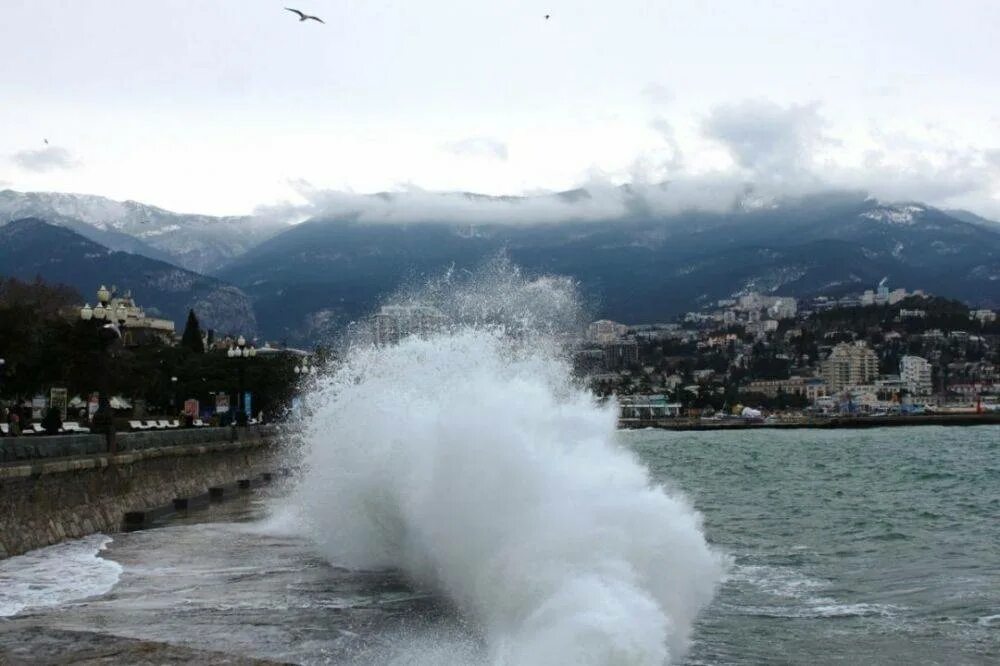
470	460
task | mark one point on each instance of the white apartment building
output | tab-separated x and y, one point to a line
915	373
775	307
984	316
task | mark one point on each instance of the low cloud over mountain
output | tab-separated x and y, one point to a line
638	263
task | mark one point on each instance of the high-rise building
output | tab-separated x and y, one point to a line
915	373
850	365
882	291
621	354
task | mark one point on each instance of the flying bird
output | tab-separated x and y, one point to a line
305	17
46	141
547	16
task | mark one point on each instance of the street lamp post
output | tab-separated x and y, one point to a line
241	351
305	368
111	322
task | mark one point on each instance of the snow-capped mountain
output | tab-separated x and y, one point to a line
197	242
899	214
642	267
31	247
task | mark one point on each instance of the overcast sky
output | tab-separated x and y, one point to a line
223	106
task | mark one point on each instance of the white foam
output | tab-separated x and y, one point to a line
778	581
56	575
470	462
786	584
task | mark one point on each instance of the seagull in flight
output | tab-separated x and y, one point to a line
305	17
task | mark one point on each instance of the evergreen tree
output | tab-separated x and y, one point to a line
192	335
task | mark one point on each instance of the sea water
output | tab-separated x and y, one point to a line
865	546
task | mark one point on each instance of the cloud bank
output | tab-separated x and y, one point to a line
596	200
775	151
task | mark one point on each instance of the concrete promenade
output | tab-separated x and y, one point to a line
65	487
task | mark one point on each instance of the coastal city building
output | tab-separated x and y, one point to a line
648	407
983	316
915	374
883	296
605	331
621	354
812	388
780	307
912	314
139	327
751	308
850	364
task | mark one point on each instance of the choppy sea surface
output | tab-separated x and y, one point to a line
847	547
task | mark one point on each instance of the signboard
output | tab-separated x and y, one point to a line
38	406
246	404
221	403
59	399
92	405
191	408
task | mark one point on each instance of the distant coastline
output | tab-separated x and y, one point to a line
838	422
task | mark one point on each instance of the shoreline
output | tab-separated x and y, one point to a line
833	423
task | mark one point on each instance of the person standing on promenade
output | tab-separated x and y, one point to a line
26	415
14	420
52	421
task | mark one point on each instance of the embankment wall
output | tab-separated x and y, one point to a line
46	498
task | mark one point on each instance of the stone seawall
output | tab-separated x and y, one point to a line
31	447
45	499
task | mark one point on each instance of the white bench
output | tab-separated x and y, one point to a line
73	426
4	429
137	425
198	423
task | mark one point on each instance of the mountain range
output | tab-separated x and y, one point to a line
30	247
634	264
637	268
198	243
